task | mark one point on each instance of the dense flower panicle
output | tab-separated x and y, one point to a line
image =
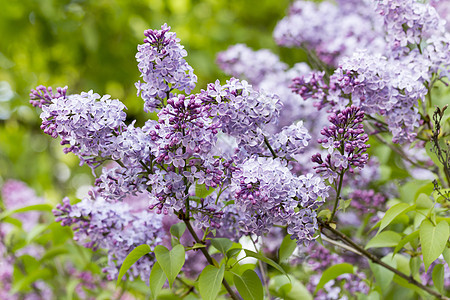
291	141
415	29
443	9
163	68
16	194
384	87
408	21
87	123
267	193
44	96
346	143
242	62
115	228
312	86
242	111
313	26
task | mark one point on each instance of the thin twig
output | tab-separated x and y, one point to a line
375	259
209	258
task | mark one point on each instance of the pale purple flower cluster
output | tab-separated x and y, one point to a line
242	62
163	68
384	87
313	26
346	143
44	96
443	9
266	72
291	141
313	86
415	32
267	193
87	123
115	228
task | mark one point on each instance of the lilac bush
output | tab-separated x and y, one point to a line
280	154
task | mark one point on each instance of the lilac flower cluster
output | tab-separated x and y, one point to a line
272	76
242	62
87	123
168	158
346	143
112	226
42	96
291	141
385	87
443	9
163	68
313	26
267	193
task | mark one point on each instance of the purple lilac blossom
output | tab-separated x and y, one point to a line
313	25
168	157
415	32
87	123
384	87
443	9
243	62
163	68
267	193
346	143
273	77
113	227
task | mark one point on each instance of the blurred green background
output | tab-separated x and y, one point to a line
91	45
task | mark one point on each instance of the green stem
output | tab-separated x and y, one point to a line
338	196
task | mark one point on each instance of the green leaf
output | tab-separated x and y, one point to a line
264	259
131	258
406	240
332	273
384	239
26	281
433	240
438	277
446	254
171	262
249	285
53	252
287	247
157	280
202	192
178	229
235	250
424	202
35	232
383	276
39	207
222	244
392	213
210	282
288	288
